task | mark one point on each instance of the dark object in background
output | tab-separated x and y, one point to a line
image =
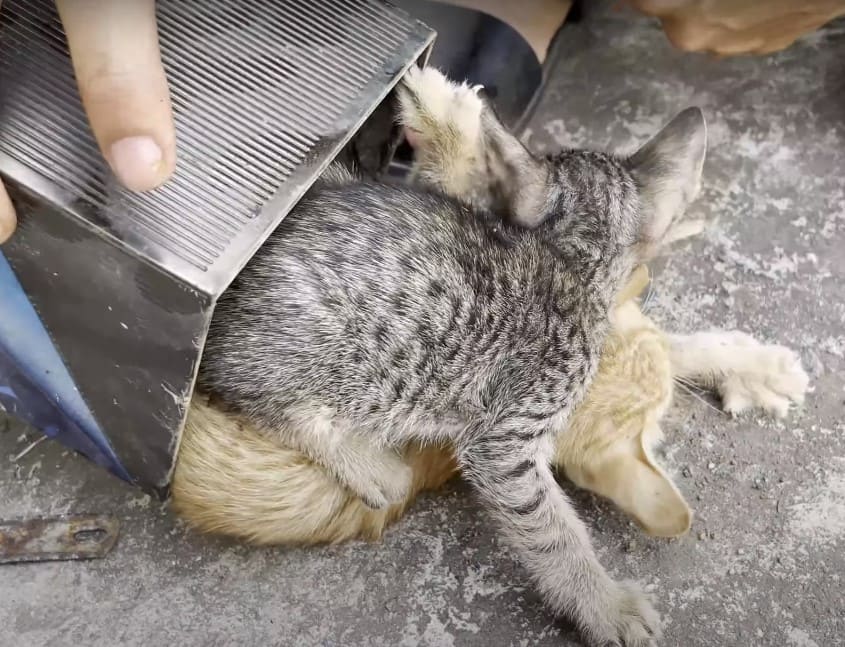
481	49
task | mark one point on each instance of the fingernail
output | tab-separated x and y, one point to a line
136	161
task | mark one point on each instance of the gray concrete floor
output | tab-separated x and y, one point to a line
764	564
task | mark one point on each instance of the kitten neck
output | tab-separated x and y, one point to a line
601	271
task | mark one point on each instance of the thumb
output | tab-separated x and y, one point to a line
7	212
7	215
116	58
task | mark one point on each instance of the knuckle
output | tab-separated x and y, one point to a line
105	84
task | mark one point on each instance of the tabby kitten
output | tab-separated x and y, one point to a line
609	444
378	315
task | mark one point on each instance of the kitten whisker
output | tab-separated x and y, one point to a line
647	302
685	387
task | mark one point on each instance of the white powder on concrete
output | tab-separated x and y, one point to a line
819	516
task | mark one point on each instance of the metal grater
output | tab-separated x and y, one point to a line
106	295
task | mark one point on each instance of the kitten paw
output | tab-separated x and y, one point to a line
771	378
432	107
631	621
380	485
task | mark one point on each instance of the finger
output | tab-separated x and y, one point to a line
116	58
7	211
7	215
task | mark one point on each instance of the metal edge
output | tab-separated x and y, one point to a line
61	200
62	534
250	239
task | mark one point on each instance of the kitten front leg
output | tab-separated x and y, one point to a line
377	475
514	480
743	371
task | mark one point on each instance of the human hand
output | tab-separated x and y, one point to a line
734	27
117	64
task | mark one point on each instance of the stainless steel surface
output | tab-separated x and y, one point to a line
265	95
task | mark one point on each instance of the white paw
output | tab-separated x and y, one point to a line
632	621
381	483
430	104
770	379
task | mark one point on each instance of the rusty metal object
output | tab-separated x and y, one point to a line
57	539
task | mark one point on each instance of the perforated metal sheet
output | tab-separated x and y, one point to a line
265	93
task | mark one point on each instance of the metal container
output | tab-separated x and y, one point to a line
105	295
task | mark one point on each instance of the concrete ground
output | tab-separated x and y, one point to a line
764	564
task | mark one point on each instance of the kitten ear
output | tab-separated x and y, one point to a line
521	181
646	493
668	171
629	476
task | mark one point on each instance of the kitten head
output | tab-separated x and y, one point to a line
598	201
601	203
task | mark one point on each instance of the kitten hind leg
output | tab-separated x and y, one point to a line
683	230
233	479
743	371
378	475
516	484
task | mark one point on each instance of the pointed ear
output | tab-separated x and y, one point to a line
645	493
519	181
668	172
627	474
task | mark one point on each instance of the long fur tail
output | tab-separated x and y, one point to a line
231	479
